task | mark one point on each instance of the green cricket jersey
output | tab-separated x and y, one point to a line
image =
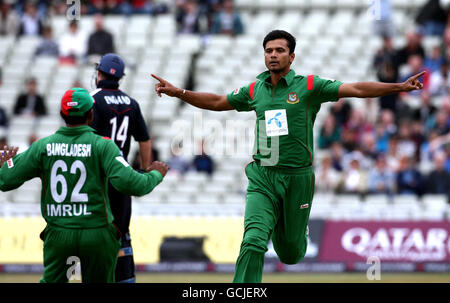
74	165
285	116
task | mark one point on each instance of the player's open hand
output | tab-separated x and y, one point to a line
159	166
413	83
165	87
7	153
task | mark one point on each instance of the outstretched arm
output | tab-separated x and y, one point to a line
378	89
201	100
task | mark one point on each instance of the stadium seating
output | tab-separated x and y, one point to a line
335	40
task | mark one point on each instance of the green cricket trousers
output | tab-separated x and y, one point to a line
278	206
95	248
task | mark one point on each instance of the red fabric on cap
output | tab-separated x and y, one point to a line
66	99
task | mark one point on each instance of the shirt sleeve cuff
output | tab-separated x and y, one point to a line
157	175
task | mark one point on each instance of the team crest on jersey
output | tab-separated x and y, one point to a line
236	91
292	98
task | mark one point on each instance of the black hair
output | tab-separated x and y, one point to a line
280	34
75	120
109	77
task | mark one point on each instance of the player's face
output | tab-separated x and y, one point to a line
277	57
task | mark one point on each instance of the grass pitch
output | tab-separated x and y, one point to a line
267	278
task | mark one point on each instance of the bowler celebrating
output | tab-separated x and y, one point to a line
281	178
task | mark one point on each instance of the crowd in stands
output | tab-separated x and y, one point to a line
27	17
398	148
390	147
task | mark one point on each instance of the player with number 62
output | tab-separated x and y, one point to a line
74	166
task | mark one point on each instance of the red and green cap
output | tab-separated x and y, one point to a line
76	102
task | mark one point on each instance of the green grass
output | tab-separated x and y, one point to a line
268	278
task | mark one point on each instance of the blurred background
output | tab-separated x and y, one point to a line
382	165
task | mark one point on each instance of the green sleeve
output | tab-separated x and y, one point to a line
123	177
21	168
240	99
325	89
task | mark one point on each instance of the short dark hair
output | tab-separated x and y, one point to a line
280	34
109	77
75	120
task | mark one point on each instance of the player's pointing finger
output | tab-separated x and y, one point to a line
158	78
417	76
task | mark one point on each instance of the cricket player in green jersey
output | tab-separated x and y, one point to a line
74	165
281	178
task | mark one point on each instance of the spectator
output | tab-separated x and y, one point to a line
329	133
209	7
432	18
30	103
358	124
369	146
418	137
9	19
72	44
393	155
31	23
387	71
227	21
48	46
354	179
406	146
425	113
337	154
177	163
97	7
188	18
381	179
327	175
3	125
445	44
435	60
415	64
203	162
438	181
148	7
409	179
106	7
349	139
137	159
384	129
412	47
100	42
440	81
441	123
3	139
404	110
447	153
341	111
364	162
430	146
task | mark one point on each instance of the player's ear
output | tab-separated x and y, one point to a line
292	57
